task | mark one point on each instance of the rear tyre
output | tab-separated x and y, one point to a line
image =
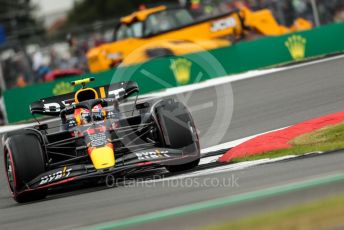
24	160
179	132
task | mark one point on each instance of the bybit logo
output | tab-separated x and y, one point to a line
296	46
181	68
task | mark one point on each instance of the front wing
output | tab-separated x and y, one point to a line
155	157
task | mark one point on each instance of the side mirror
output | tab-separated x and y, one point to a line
123	90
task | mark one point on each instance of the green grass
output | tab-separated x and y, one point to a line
324	214
325	139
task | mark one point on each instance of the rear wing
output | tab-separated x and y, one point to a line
53	105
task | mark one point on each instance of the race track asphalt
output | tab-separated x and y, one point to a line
260	104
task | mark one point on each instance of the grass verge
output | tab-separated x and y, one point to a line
326	139
324	214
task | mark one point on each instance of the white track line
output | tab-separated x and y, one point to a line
221	169
234	167
202	85
232	144
208	160
234	78
227	145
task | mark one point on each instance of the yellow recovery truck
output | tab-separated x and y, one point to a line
163	31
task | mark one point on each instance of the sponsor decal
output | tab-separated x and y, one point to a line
149	155
181	68
52	107
98	139
296	45
62	88
64	173
222	24
117	93
56	107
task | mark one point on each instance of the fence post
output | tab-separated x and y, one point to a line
315	13
2	80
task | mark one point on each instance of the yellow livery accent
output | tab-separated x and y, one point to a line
103	157
102	92
85	94
82	81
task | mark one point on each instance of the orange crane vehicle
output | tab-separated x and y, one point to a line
162	31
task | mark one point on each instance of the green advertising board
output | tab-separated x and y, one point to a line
173	71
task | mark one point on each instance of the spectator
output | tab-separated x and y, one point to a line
37	60
300	7
339	13
21	81
40	67
326	11
289	11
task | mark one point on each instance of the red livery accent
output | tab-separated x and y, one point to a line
144	163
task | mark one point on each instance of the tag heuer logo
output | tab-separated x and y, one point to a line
62	88
181	68
296	46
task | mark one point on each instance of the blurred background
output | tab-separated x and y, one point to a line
38	37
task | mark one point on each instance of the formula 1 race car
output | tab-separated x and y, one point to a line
95	138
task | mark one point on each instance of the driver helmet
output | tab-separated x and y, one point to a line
99	113
83	116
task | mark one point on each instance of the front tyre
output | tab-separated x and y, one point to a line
24	160
179	132
183	167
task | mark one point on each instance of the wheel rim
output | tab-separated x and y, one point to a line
10	171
